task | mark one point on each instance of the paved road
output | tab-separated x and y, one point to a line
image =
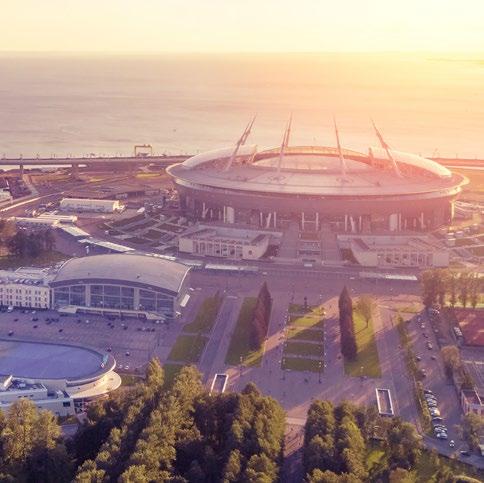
213	357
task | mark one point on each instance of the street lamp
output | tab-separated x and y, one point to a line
320	366
240	366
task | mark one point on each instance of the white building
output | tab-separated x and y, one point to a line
215	241
22	288
61	378
12	390
5	196
90	205
395	251
45	220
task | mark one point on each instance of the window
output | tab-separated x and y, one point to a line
66	404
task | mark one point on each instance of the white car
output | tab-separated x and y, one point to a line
442	436
451	443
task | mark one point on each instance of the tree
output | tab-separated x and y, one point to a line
400	475
347	331
472	427
464	280
403	444
366	306
260	319
451	358
430	287
475	289
453	287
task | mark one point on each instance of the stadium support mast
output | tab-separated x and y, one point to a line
340	152
387	149
240	142
284	144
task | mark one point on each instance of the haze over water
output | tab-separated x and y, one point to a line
82	104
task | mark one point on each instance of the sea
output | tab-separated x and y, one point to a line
84	104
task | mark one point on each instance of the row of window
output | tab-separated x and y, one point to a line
113	297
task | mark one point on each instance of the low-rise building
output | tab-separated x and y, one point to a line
216	241
90	205
472	402
120	284
25	288
395	251
61	378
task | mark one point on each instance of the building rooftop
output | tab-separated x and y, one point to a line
130	268
225	234
35	360
313	170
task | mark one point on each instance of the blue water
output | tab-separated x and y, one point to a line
80	105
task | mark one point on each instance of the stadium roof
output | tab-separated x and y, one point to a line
130	268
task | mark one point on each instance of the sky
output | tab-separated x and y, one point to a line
154	26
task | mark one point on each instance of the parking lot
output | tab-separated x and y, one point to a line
132	342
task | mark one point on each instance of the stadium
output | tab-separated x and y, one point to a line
317	188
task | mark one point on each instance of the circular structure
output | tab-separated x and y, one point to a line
348	191
44	361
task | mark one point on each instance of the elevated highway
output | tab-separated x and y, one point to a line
75	162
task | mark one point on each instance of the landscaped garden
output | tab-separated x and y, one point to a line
367	362
304	339
206	316
240	348
188	348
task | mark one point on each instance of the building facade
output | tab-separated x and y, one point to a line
29	289
120	284
90	205
236	244
317	187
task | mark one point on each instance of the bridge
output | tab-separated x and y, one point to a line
163	160
75	162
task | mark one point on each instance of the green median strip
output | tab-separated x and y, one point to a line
206	315
188	348
303	333
301	364
239	349
367	362
304	349
308	321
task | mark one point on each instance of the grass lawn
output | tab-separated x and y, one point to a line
170	371
303	349
303	333
367	362
206	315
188	348
239	348
301	364
314	310
307	321
44	260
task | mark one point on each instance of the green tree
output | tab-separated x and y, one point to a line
430	287
401	475
451	358
403	444
366	306
233	467
464	285
472	427
475	289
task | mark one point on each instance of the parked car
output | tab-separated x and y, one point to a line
451	443
465	452
442	436
429	346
